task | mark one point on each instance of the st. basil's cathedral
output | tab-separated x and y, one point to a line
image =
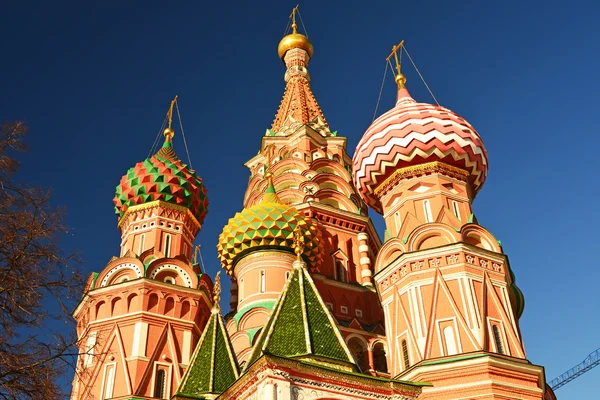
320	306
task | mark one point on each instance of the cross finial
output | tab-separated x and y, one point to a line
293	17
169	132
298	243
400	79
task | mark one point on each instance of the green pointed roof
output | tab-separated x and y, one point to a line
302	327
213	367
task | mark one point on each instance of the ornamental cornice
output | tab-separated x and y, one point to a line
434	167
400	268
156	204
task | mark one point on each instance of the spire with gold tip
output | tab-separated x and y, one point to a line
299	105
213	367
267	225
162	177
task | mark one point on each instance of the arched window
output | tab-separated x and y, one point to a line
497	339
379	358
153	303
450	340
263	281
167	246
358	351
169	305
427	210
142	240
160	384
340	271
405	357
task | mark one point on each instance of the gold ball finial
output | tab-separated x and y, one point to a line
400	81
298	243
169	133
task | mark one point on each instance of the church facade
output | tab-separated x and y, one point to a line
320	306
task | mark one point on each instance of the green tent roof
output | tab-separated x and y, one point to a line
302	327
213	367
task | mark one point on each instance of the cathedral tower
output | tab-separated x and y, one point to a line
450	301
311	172
142	315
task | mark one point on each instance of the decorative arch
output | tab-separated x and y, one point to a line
116	306
333	197
153	302
431	235
101	310
391	250
119	268
330	166
254	318
480	237
133	303
174	268
379	349
170	306
340	184
185	309
359	348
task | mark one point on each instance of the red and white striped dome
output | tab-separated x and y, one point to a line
414	133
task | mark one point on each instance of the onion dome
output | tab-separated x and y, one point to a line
414	133
267	225
294	40
162	177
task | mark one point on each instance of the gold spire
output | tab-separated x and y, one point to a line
270	195
169	132
298	244
217	291
400	79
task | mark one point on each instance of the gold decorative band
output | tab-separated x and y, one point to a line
158	203
421	169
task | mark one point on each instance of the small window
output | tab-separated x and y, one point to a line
167	248
450	340
170	279
358	313
329	306
185	249
398	221
497	339
405	358
109	381
124	279
456	209
263	281
340	271
142	239
287	275
427	210
160	384
344	309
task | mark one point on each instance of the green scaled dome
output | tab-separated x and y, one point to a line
162	177
268	225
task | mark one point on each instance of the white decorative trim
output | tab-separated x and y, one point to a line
175	268
135	268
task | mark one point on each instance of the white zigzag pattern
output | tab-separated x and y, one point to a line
423	138
409	157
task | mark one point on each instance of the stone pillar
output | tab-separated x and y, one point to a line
365	261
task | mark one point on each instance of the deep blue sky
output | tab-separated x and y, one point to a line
94	79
